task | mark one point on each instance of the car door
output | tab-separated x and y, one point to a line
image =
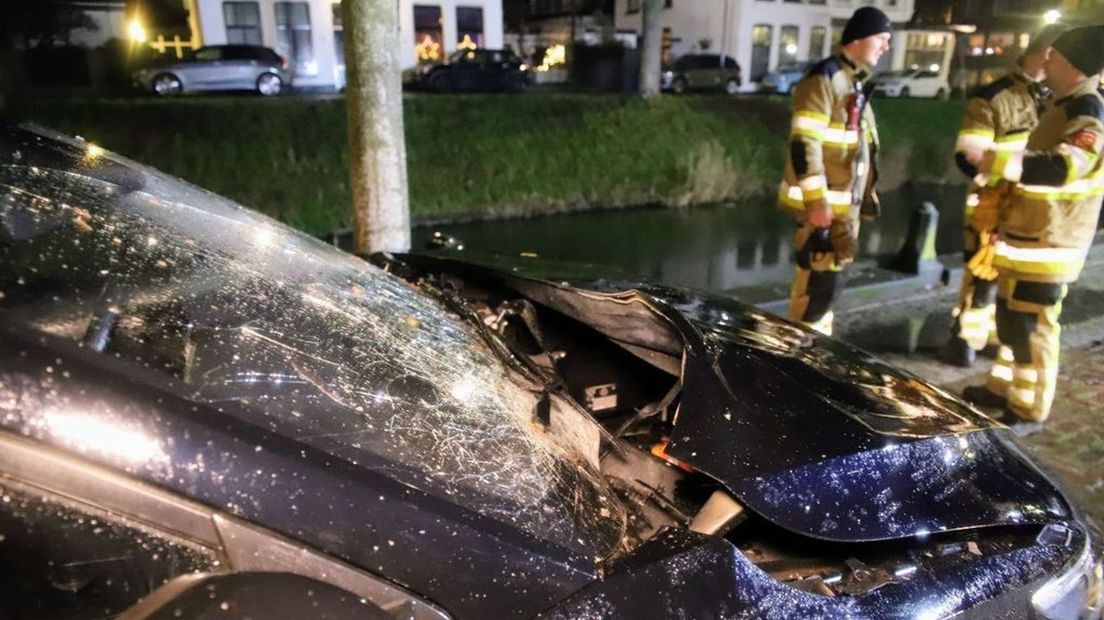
927	84
705	71
82	540
203	70
240	67
466	70
690	70
714	71
497	70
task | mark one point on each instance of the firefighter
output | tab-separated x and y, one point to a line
999	117
830	170
1045	228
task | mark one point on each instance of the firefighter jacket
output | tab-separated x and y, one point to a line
1050	220
833	142
999	117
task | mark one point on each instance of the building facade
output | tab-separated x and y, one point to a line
310	33
761	35
996	32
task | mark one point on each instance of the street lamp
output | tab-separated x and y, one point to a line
1052	16
136	31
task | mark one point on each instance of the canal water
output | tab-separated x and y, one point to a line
718	247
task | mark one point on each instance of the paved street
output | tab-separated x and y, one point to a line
1072	442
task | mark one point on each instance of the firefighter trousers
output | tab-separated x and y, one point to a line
818	278
1026	370
975	313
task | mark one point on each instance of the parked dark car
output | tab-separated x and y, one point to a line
203	411
703	72
217	67
481	70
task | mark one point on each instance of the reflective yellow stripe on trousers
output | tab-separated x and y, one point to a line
794	197
1000	376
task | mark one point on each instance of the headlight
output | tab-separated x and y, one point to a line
1076	593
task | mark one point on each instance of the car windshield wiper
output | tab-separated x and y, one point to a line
543	383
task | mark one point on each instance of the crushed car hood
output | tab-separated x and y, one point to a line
829	441
815	435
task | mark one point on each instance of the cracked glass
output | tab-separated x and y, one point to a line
256	320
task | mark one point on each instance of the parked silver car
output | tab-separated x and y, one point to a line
218	67
784	78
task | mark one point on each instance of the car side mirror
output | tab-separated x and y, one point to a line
274	596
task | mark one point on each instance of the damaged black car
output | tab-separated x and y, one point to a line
204	412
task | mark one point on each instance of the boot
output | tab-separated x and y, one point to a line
958	353
1019	426
982	397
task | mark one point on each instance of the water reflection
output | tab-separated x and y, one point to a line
715	248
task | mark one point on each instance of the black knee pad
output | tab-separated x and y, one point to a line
818	242
1014	329
1042	293
985	293
823	290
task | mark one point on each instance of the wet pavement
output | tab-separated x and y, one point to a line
1071	445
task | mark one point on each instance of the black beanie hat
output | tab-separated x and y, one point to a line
1045	37
865	22
1084	48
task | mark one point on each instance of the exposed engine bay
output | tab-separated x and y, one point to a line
609	368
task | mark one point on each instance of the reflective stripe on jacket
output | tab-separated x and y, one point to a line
832	140
1051	217
999	117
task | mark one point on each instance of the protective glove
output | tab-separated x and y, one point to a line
993	168
986	215
842	234
819	213
985	165
981	263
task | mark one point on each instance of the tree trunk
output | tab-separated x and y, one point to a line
650	55
377	149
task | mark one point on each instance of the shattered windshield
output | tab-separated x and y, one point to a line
299	338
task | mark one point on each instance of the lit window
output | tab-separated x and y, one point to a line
469	27
293	36
816	42
243	22
787	46
428	34
761	38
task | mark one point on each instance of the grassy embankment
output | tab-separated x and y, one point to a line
488	156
